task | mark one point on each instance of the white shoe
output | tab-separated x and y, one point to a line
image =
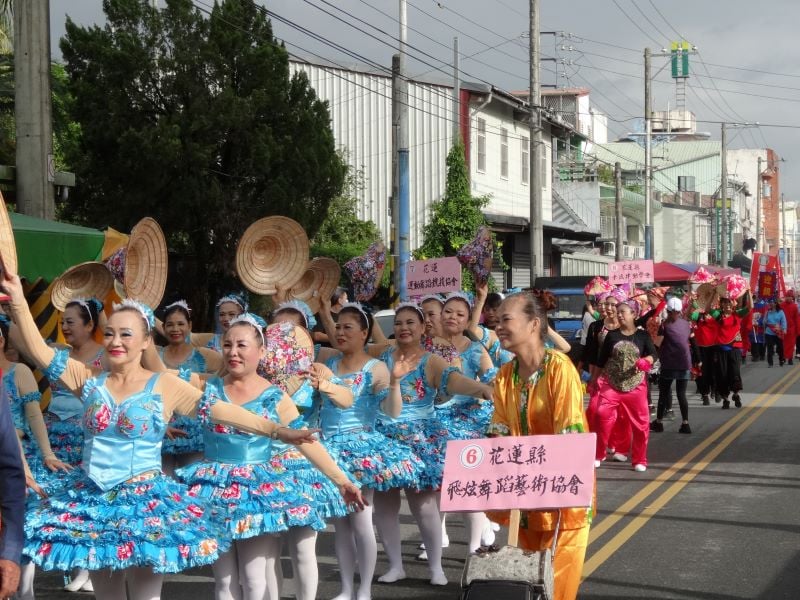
597	463
487	535
423	556
81	578
445	541
619	457
640	468
87	587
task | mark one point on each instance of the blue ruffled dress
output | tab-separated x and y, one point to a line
496	353
372	459
215	343
118	510
251	494
30	446
193	442
418	426
465	417
63	414
327	501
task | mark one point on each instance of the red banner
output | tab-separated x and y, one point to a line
767	264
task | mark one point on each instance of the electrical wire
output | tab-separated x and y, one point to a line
635	24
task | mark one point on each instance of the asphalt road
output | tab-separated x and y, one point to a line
714	517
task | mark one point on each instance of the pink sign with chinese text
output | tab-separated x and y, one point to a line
433	276
533	472
631	271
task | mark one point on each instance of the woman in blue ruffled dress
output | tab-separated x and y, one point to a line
257	497
484	333
183	443
415	377
228	308
118	515
375	461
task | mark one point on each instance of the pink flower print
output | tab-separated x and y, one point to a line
296	511
151	505
243	472
101	418
358	379
316	485
231	493
195	510
419	386
176	496
221	429
183	550
48	529
153	521
366	463
125	551
266	488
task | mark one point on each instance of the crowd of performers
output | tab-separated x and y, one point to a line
207	451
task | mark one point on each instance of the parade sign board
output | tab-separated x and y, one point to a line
533	472
433	276
766	276
631	271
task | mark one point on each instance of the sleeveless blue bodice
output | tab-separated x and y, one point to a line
417	395
496	353
63	403
363	413
194	363
121	440
215	343
227	444
18	402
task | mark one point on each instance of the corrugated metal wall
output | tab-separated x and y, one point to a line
361	114
584	264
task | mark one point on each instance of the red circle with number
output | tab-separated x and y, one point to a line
471	456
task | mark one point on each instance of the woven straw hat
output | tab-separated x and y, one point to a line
318	281
706	296
86	280
8	249
146	263
272	250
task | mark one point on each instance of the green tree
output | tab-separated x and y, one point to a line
455	218
195	121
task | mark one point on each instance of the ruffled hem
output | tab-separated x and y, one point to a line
465	419
184	445
252	499
322	493
429	439
376	461
149	522
66	438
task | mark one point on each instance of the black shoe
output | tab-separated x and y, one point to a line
684	428
781	363
726	405
737	401
706	400
790	362
657	426
717	398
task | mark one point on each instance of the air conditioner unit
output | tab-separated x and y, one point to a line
609	249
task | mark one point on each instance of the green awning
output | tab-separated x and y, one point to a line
48	248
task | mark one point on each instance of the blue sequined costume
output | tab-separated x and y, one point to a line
349	434
193	442
63	414
418	426
466	417
251	494
118	510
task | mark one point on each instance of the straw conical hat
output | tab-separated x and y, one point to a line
86	280
318	281
706	296
272	250
146	263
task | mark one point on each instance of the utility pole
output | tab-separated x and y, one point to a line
35	172
758	207
456	93
648	160
619	255
535	154
723	192
783	244
404	212
395	204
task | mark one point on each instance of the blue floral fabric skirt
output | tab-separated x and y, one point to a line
251	499
464	417
193	442
66	438
374	460
428	438
147	521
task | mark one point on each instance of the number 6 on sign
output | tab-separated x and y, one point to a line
471	456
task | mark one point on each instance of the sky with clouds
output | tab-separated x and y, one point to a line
746	70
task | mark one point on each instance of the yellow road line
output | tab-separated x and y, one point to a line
604	553
612	519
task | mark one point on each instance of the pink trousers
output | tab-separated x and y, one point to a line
620	438
613	405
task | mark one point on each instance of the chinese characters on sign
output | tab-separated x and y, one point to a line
631	271
531	473
433	276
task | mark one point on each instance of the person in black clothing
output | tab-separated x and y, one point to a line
12	500
626	357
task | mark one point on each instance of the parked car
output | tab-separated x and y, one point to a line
385	320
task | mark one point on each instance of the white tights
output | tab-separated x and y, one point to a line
425	509
356	545
247	570
303	551
143	584
25	590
